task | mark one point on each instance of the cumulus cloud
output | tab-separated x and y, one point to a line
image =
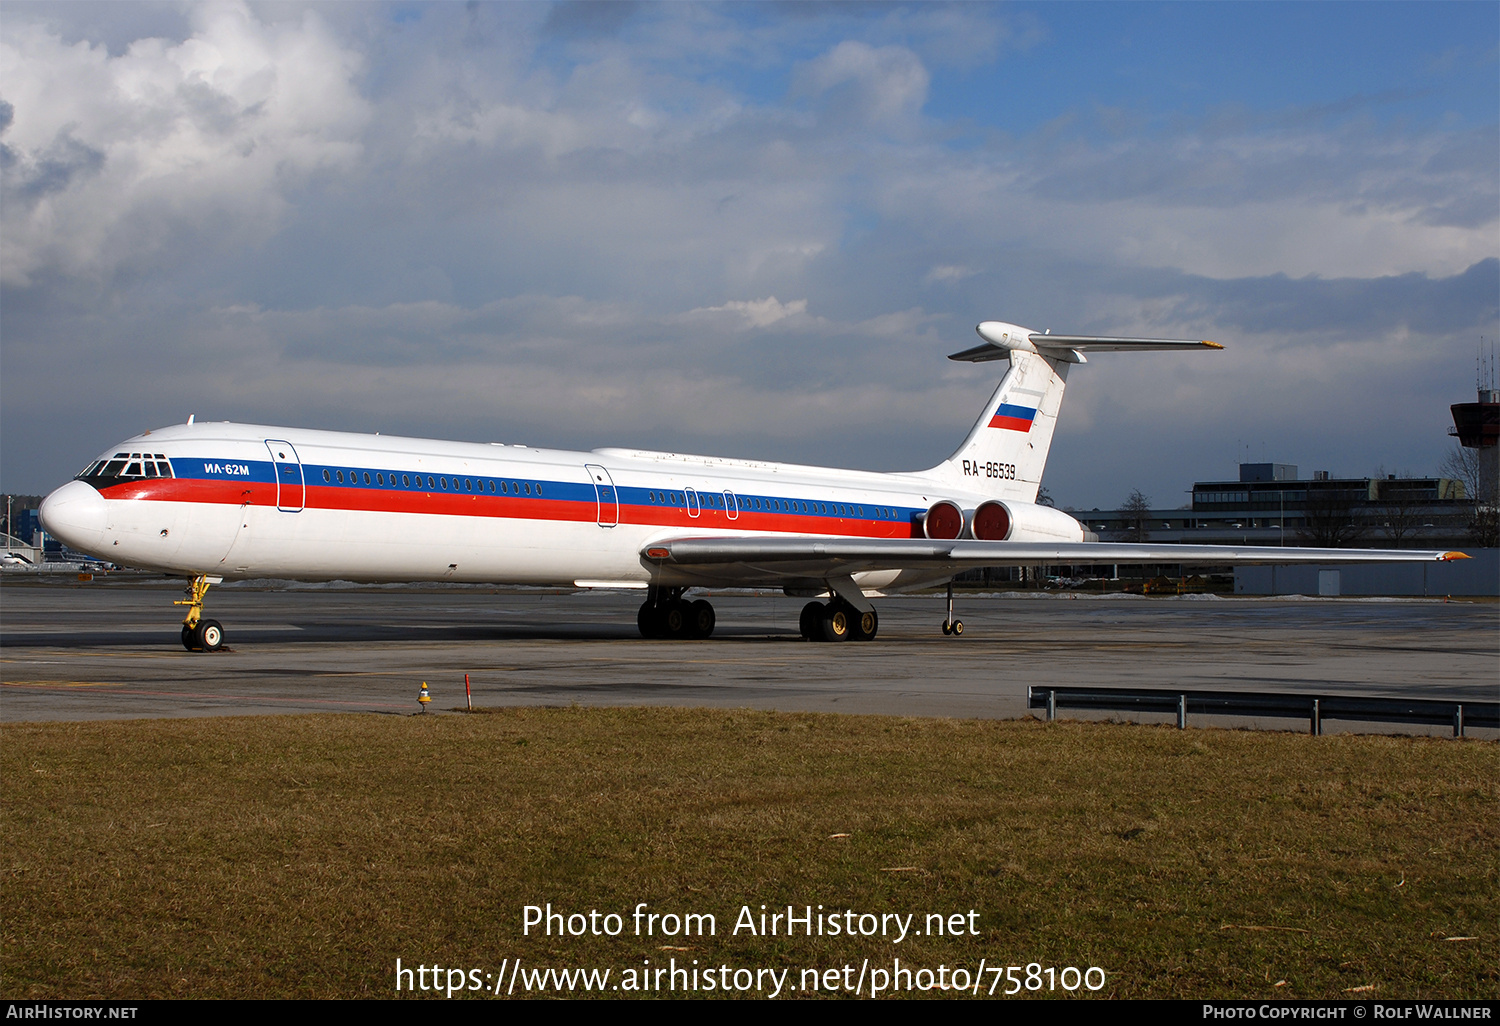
107	156
864	84
755	313
948	272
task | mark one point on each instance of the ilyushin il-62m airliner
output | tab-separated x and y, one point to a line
217	501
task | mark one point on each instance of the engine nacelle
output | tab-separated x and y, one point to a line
944	521
991	522
1024	521
1001	521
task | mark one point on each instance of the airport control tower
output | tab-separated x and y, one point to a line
1477	427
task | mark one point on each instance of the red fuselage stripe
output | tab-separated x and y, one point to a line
237	493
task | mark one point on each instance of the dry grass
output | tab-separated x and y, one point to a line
300	856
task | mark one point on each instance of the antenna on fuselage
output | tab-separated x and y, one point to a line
191	416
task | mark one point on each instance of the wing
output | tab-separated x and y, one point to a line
753	559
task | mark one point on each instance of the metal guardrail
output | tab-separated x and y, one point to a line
1312	708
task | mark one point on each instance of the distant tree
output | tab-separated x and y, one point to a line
1044	497
1478	471
1329	517
1401	504
1484	526
1134	516
1461	464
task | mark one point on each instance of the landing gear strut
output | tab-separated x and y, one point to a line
198	634
951	626
666	614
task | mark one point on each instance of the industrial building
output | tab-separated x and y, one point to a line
1271	505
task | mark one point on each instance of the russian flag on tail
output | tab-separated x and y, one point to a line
1013	418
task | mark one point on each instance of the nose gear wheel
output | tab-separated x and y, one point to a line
198	634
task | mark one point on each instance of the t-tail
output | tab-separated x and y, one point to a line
1006	451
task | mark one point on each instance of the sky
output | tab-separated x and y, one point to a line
751	230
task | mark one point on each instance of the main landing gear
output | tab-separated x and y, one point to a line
666	614
837	621
198	634
951	626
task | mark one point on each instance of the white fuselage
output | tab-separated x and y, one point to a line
251	501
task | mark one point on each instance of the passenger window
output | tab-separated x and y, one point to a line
340	475
405	481
326	477
380	479
429	482
528	489
367	477
468	485
443	483
539	488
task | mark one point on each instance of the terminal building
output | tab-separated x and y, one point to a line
1271	505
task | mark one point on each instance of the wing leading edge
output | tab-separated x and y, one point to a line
734	558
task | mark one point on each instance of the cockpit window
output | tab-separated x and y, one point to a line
128	466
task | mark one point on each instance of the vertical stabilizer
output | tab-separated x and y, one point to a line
1006	451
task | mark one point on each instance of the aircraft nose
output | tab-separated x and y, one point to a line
77	515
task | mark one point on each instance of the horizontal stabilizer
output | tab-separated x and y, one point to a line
1000	339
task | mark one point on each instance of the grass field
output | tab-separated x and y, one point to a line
301	856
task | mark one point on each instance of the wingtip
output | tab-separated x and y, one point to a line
1210	345
1447	556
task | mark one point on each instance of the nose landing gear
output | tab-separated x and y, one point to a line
198	634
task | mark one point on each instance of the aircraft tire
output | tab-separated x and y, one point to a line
675	619
701	619
810	623
838	622
209	635
958	628
947	628
864	625
187	638
648	620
